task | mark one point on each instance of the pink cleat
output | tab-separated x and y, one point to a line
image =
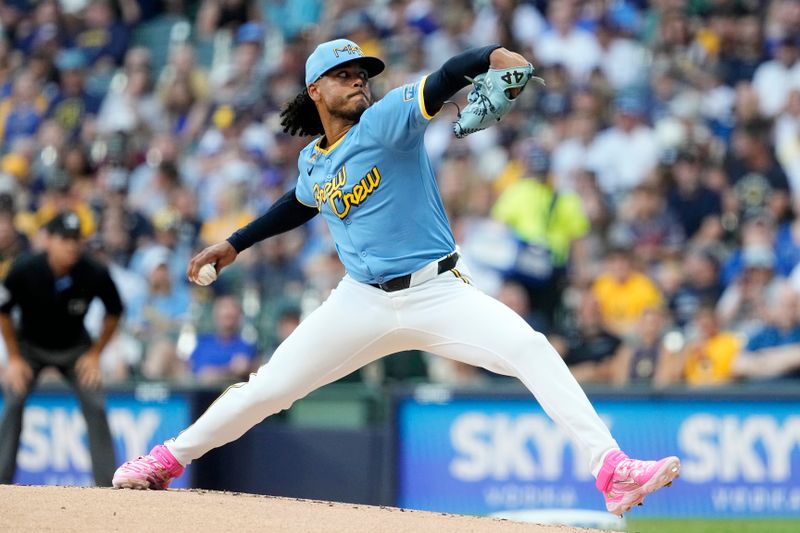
625	482
152	471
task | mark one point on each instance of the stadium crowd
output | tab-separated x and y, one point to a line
642	209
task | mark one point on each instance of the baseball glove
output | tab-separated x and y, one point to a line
490	98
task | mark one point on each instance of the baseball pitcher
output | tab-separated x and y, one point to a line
367	173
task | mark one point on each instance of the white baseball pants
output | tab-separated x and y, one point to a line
359	323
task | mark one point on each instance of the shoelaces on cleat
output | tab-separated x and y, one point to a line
148	465
629	468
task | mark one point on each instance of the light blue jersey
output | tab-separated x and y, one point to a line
377	191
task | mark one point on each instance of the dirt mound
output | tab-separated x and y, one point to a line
39	509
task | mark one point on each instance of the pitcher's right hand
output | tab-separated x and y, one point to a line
220	255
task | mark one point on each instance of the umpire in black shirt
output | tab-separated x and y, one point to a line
53	290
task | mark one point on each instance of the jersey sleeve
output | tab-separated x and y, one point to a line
399	119
302	191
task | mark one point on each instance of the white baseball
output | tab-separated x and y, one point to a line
207	275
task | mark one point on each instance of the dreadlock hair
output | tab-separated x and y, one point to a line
300	116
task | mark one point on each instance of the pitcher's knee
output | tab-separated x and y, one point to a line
275	397
529	347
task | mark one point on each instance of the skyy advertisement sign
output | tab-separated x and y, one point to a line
480	456
54	446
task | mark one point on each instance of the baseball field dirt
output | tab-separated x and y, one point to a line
74	509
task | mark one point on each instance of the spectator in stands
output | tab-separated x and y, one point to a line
717	104
73	107
183	66
645	355
504	21
222	165
622	60
159	321
625	153
164	181
245	77
45	30
185	113
60	195
742	306
569	156
6	66
224	354
231	214
548	222
700	283
587	347
226	15
745	109
131	106
116	239
23	111
151	182
587	258
673	46
787	141
647	226
287	321
758	181
567	43
554	99
774	79
694	205
754	231
41	65
78	166
165	244
15	170
781	19
103	39
773	351
707	359
12	242
740	58
124	227
624	293
787	245
183	207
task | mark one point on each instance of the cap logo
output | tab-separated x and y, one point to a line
350	49
72	222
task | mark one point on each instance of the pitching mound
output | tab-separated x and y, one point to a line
39	509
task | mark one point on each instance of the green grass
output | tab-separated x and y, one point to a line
713	526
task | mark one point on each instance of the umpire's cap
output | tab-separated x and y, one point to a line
334	53
66	224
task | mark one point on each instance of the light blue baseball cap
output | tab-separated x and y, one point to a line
334	53
71	59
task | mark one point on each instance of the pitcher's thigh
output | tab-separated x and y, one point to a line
469	326
349	330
